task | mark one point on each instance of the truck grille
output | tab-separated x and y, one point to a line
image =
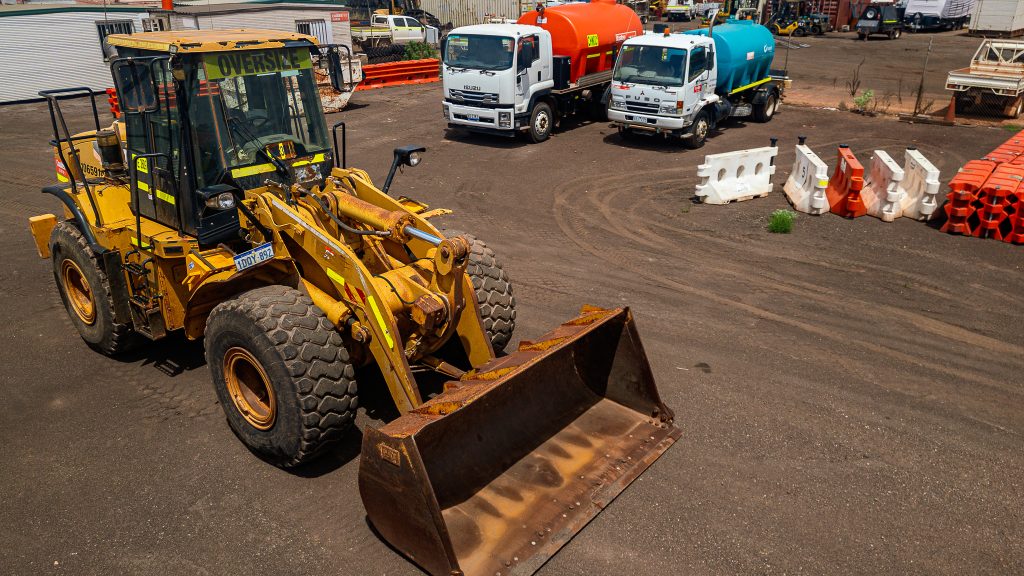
473	98
642	107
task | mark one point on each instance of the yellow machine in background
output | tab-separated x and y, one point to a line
218	207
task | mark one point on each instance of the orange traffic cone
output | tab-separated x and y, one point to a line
951	111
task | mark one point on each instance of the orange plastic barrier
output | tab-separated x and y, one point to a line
972	176
115	108
1016	220
399	73
844	187
958	209
990	212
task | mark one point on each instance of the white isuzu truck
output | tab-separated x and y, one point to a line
683	85
510	78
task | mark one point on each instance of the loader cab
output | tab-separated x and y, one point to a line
205	124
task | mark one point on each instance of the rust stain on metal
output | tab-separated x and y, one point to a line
540	346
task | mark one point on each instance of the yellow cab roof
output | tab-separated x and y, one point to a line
207	40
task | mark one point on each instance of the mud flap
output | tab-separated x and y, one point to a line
501	470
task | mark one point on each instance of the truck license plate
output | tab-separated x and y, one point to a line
473	118
257	255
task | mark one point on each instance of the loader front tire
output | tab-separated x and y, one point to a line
493	292
282	374
85	290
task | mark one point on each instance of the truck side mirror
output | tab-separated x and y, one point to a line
335	67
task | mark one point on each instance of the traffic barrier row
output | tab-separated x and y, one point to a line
986	196
737	176
887	192
399	73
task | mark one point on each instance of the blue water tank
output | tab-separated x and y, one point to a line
745	52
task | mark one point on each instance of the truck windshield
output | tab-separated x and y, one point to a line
651	65
479	52
247	105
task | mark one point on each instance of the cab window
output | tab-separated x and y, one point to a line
698	63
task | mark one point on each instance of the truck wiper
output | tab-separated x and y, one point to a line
243	131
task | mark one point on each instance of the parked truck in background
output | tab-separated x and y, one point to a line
921	15
525	77
388	32
994	78
684	85
679	10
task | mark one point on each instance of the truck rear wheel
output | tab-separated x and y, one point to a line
282	374
542	120
85	290
765	111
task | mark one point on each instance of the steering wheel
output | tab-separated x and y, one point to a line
257	117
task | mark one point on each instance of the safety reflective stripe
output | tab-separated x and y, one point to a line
336	277
751	85
593	55
380	321
143	186
165	197
135	242
252	170
317	158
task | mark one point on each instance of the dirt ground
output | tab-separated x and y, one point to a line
850	395
827	69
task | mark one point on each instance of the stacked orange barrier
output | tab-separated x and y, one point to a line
115	107
1016	220
844	187
963	191
399	73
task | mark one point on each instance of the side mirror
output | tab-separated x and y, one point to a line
335	67
404	156
136	86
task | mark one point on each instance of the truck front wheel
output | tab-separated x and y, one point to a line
765	111
541	122
700	128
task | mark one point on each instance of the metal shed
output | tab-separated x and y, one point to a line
998	18
76	59
467	12
328	22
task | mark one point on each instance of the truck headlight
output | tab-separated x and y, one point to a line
668	108
617	104
504	119
445	108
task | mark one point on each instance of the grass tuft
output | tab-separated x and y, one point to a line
781	222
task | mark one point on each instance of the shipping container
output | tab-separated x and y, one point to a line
469	12
998	18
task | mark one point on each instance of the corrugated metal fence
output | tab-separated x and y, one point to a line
466	12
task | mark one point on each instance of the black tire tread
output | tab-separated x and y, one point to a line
314	354
120	337
493	290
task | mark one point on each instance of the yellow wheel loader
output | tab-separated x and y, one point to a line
218	206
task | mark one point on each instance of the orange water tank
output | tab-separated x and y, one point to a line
588	33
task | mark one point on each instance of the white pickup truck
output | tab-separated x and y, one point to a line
389	29
995	77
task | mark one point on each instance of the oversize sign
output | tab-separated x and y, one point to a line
243	62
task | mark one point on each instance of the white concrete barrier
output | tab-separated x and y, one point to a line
805	187
736	176
882	193
920	186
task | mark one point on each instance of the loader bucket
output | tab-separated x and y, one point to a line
504	467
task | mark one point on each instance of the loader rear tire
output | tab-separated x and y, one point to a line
85	290
493	291
282	374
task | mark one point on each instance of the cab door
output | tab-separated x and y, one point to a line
528	66
699	80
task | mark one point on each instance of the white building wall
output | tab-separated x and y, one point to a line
29	62
467	12
278	19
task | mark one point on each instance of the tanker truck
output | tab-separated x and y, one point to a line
525	77
684	85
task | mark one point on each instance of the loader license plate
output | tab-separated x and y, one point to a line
257	255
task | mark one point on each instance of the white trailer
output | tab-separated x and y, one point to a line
998	18
937	14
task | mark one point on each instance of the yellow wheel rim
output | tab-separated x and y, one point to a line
250	388
78	291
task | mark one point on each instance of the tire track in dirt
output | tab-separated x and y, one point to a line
601	194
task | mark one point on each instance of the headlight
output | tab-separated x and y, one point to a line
223	201
668	108
445	108
505	119
618	104
414	158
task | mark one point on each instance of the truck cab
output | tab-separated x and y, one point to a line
492	75
679	10
661	83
